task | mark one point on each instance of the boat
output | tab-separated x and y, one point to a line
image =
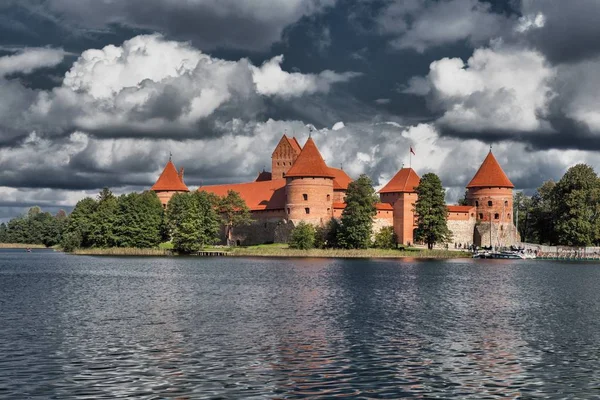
500	255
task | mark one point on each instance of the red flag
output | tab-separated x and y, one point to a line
412	151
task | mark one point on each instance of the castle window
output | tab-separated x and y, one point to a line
476	204
506	203
265	224
329	210
307	210
277	163
472	215
328	198
288	210
480	215
305	196
508	215
489	203
496	216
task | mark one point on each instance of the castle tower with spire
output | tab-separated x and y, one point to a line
401	193
491	193
169	182
284	156
309	187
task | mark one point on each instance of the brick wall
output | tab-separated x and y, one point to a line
165	196
309	199
501	200
404	218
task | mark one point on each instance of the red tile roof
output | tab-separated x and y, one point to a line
169	180
310	163
405	181
490	174
378	206
263	176
295	145
460	209
293	142
341	179
262	195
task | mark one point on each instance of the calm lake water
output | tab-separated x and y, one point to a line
102	327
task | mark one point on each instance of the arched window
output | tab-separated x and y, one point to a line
480	216
496	216
508	215
328	198
307	210
288	210
305	197
506	203
476	204
489	203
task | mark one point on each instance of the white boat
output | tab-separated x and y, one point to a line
500	255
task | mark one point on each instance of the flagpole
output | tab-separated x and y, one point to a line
410	158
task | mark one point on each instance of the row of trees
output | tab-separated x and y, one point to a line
566	212
138	220
192	220
354	230
36	227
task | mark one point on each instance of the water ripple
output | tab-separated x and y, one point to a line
192	328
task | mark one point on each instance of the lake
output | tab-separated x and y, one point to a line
105	327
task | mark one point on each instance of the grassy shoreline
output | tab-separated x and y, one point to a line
281	251
21	246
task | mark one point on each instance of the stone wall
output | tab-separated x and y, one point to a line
268	227
462	231
502	234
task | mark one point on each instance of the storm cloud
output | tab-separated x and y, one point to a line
98	93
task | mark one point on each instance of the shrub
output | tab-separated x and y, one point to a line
302	237
385	238
71	241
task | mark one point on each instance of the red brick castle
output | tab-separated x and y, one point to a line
302	187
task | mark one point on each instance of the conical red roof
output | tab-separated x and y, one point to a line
169	180
490	174
310	163
405	181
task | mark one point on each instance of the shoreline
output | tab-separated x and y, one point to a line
9	246
281	253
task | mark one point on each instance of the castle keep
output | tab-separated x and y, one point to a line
302	187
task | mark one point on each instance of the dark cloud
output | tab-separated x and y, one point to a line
571	28
62	138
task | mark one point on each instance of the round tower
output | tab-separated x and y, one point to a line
169	183
309	187
491	193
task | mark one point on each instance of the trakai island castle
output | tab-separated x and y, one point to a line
301	187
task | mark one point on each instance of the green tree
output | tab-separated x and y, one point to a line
357	218
79	223
385	238
542	209
576	207
139	221
193	221
522	209
431	212
234	212
463	200
3	233
302	236
102	230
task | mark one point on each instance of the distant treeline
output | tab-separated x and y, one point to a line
36	227
566	212
136	220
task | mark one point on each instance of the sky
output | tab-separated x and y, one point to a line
98	93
